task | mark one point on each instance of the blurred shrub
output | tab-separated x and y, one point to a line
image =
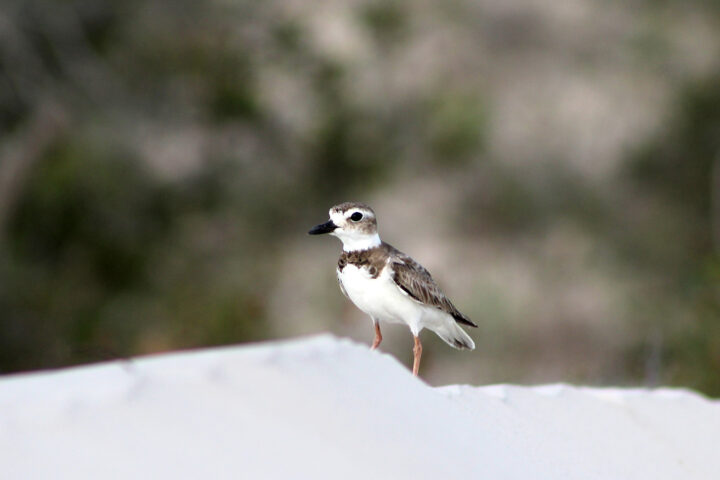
681	170
457	125
91	268
386	20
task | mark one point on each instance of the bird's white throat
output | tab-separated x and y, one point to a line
353	242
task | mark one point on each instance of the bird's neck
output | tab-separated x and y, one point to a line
365	242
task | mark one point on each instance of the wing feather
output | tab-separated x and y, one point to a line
413	279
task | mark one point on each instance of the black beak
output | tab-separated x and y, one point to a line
326	227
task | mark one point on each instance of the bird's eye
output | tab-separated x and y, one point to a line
356	217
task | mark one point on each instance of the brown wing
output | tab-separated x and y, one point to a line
413	279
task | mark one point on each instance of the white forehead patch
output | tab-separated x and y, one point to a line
337	217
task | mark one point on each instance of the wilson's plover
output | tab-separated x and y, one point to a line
389	285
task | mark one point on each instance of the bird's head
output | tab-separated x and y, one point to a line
353	223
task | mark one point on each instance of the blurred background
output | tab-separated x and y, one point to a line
555	165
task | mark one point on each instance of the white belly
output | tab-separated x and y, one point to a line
380	297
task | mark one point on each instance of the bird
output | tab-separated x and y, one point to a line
387	284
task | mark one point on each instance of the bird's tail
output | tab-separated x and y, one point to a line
455	336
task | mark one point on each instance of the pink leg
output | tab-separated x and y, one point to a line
378	336
417	353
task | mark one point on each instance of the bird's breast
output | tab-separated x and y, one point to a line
359	281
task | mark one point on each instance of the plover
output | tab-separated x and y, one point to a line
389	285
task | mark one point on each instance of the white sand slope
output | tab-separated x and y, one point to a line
323	408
